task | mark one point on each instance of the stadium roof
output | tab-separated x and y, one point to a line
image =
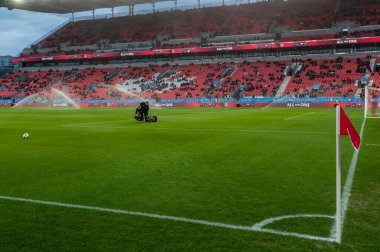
67	6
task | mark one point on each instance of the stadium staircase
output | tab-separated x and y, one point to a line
372	65
359	91
283	86
111	76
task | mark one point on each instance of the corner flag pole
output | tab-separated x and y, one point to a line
338	179
365	101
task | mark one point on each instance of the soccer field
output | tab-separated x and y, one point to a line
197	180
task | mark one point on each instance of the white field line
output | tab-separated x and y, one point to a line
304	236
290	118
173	218
274	219
347	187
91	123
199	129
377	145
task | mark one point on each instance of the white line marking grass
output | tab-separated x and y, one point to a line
347	186
92	123
274	219
376	145
256	227
198	129
290	118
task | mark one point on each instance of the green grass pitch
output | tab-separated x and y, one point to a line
232	166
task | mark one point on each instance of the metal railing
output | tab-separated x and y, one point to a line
165	9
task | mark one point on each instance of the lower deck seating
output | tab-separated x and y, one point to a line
335	77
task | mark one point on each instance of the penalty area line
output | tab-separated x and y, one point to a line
173	218
200	129
376	145
290	118
91	123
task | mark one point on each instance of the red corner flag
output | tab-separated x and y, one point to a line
343	127
346	128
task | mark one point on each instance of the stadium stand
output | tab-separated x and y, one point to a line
308	37
224	25
375	76
336	77
307	15
365	12
54	52
327	77
165	82
195	27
